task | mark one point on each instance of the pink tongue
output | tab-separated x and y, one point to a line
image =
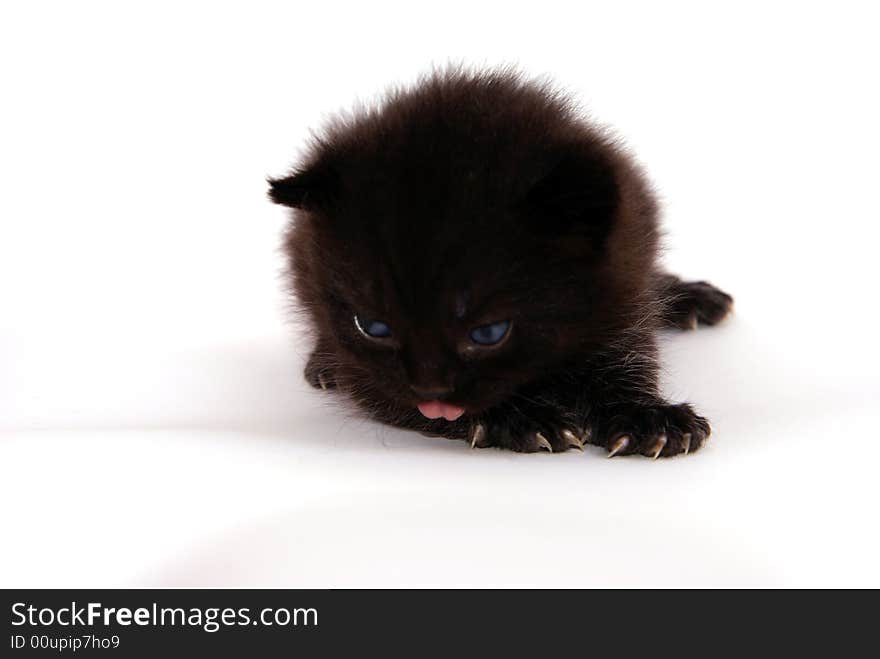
435	409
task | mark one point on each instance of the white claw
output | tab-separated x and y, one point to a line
478	432
658	447
542	442
686	442
618	445
322	382
692	321
572	439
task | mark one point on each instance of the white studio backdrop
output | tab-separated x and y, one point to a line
154	426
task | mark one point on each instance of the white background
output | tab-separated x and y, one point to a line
154	425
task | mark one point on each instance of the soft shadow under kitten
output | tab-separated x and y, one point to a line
478	262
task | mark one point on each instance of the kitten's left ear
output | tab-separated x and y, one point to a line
579	193
309	189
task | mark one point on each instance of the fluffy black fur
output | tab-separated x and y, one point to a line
477	197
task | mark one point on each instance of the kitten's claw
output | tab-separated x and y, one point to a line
478	433
692	321
657	448
542	442
572	439
322	382
618	445
654	431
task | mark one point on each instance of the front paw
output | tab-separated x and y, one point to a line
318	373
526	434
651	430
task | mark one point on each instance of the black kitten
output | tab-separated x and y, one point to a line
478	262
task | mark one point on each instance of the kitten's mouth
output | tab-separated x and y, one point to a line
436	409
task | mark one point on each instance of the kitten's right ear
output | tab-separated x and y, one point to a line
308	189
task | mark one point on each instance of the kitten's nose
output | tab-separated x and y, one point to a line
431	392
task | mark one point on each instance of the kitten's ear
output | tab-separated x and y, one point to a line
580	193
309	189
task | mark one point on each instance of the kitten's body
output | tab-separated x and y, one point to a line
476	199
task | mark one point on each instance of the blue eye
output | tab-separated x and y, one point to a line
375	329
489	335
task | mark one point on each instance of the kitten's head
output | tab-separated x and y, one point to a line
459	242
